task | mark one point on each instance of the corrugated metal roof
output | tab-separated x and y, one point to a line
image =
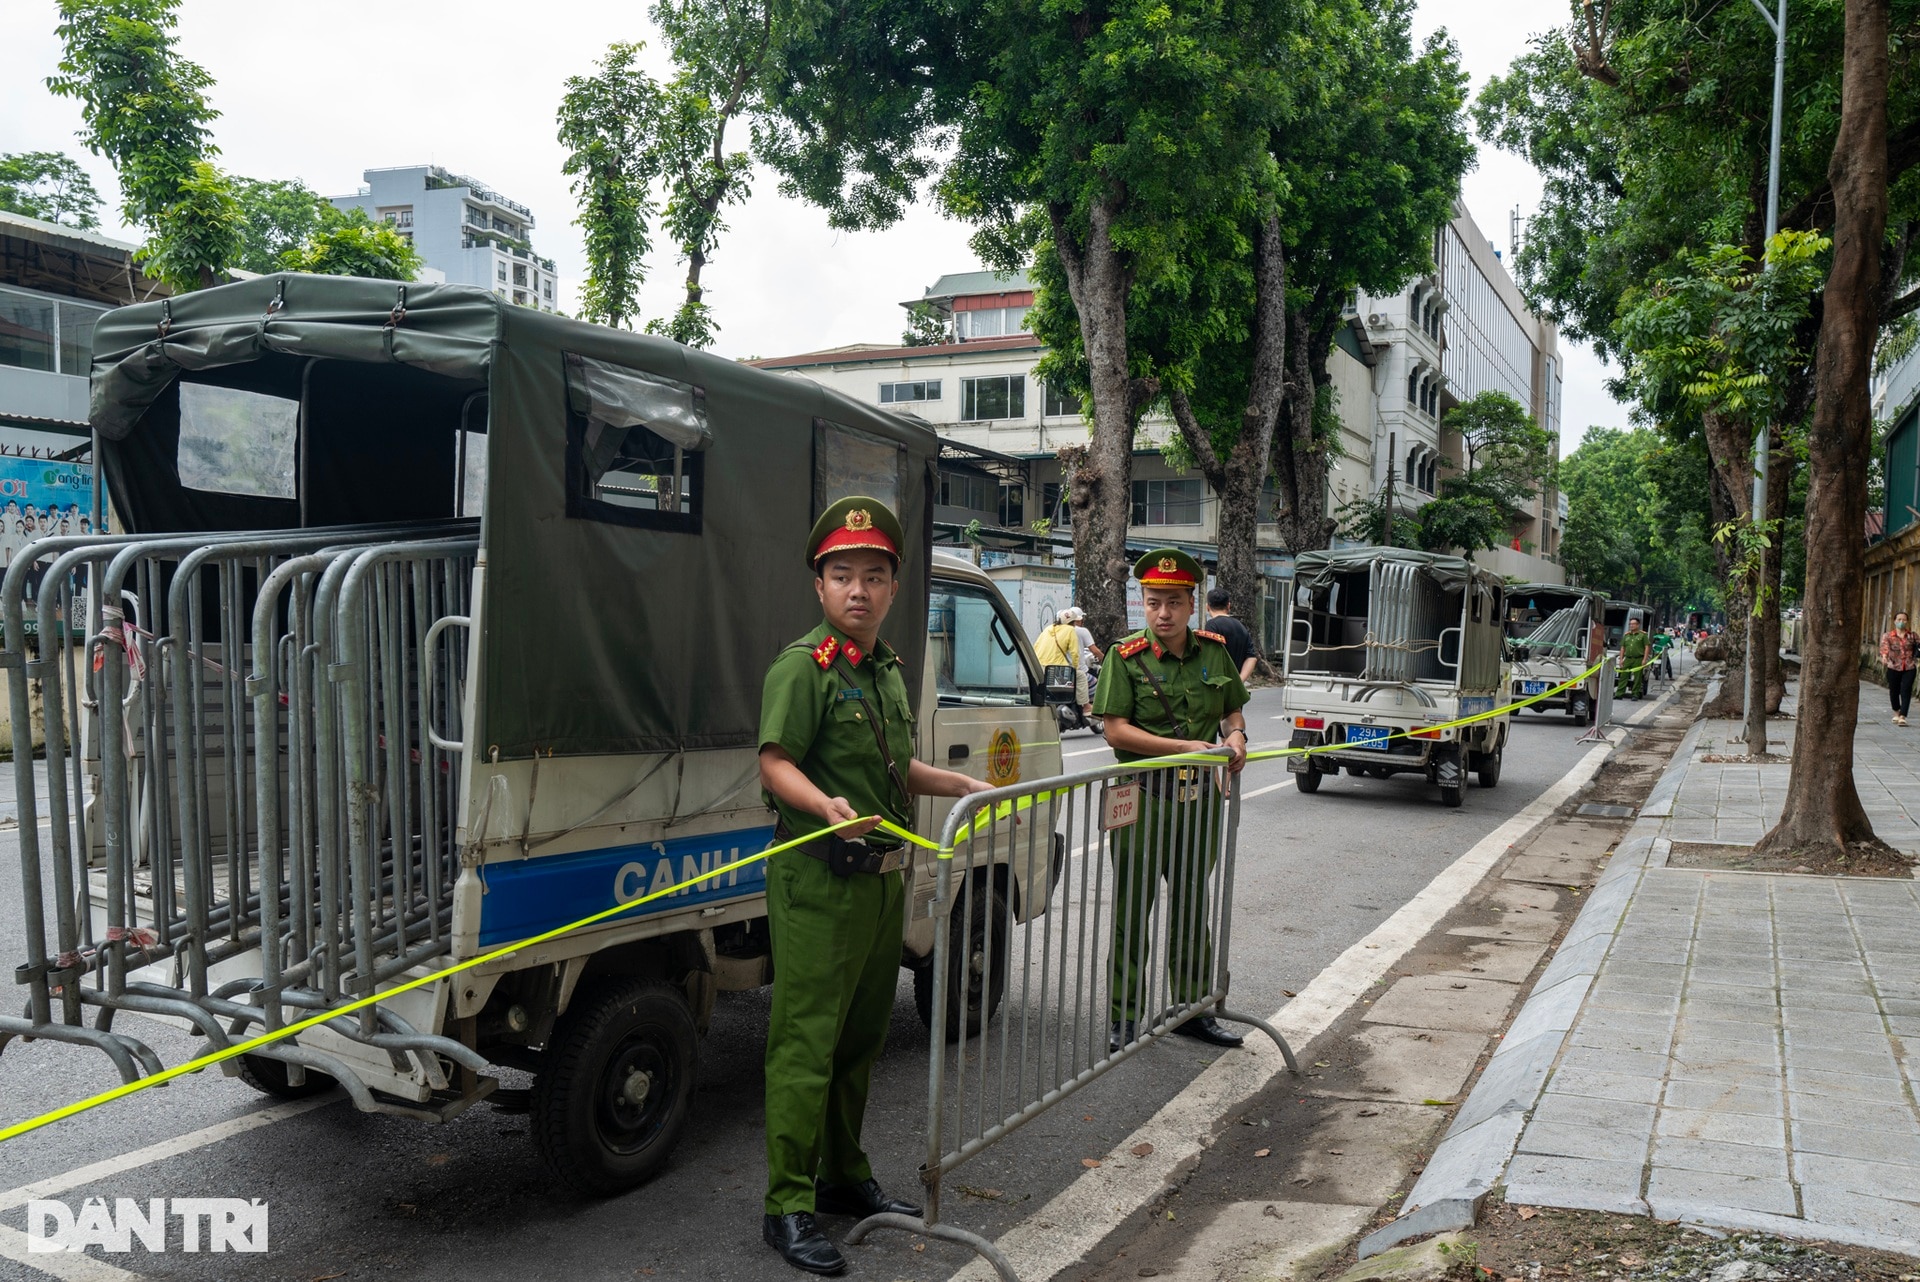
72	239
958	284
870	355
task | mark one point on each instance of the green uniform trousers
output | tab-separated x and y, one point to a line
1176	842
836	965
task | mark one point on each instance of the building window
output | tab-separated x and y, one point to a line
968	491
990	322
547	288
520	297
38	331
901	393
500	272
1060	403
519	273
1013	506
1167	502
1054	506
998	397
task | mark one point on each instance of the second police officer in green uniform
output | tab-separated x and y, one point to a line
836	743
1168	689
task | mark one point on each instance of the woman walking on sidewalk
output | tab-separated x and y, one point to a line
1897	655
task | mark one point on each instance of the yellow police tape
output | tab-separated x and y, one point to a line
999	812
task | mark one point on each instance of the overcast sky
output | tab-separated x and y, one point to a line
474	87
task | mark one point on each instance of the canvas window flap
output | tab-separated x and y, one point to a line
609	396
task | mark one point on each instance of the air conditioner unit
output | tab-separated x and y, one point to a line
1376	321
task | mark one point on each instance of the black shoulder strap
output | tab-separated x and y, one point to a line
1159	692
879	734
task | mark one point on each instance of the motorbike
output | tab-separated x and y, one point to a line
1066	708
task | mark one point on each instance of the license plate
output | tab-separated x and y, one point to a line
1534	687
1368	737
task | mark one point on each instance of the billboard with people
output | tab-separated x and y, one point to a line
39	497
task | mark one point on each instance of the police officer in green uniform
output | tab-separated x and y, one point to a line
1168	690
836	743
1633	662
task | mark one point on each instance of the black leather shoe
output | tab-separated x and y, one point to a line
1119	1035
863	1199
802	1244
1208	1029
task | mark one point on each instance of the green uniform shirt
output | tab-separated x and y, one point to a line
1633	646
812	712
1203	687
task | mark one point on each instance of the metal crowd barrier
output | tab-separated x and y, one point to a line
1101	951
244	799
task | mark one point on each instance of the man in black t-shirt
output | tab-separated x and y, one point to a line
1231	630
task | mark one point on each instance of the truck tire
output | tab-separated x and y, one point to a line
1577	708
616	1085
1308	780
1489	770
970	965
269	1077
1451	797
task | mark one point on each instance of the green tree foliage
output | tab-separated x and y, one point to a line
927	326
605	122
144	108
1631	530
279	216
1509	459
642	150
353	244
48	185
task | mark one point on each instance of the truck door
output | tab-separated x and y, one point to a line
985	719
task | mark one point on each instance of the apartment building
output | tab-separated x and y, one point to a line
462	228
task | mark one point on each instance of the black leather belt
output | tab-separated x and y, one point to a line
1178	783
848	855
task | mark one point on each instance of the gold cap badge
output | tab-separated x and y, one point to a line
1168	565
859	520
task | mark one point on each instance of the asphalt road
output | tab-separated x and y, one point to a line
355	1196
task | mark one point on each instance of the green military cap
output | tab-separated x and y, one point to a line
1167	568
856	522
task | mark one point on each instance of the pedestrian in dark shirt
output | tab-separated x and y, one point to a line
1232	631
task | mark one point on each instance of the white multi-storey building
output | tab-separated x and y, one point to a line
462	229
1397	367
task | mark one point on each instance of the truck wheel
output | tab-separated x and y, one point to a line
270	1077
1308	780
1489	772
1451	797
970	1004
616	1085
1577	708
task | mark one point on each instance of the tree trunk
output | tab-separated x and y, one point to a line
1822	806
1100	478
1721	509
1240	475
1299	458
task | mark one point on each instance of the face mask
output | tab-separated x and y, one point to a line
1901	625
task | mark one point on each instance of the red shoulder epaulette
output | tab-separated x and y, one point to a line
853	654
1203	634
1133	647
824	652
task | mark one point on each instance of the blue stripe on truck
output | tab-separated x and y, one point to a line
526	896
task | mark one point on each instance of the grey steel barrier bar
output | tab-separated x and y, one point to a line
1060	904
135	825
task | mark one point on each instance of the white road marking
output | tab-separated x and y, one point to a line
1060	1234
68	1268
1272	787
1086	752
80	1177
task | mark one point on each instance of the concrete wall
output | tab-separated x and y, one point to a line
1893	583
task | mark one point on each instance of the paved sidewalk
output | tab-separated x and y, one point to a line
1733	1046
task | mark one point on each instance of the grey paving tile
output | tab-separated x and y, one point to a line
1711	1030
1591	1037
1615	1115
1726	1159
1723	1127
1839	1025
1652	1023
1807	1081
1810	1054
1827	1003
1724	1097
1636	1063
1757	997
1542	1180
1596	1084
1706	1188
1888	1143
1890	1221
1844	1110
1605	997
1880	1179
1565	1139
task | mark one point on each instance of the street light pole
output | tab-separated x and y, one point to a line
1756	656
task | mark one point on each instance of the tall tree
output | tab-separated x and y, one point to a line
641	150
1509	459
352	244
48	185
144	108
279	215
1823	809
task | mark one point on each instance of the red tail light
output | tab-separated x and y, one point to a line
1310	723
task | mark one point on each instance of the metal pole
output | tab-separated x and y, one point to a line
1778	24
